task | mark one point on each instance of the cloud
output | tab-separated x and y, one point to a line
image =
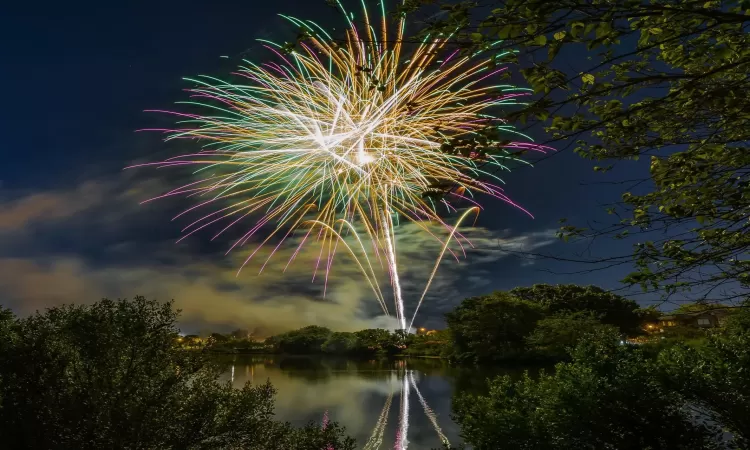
94	203
472	267
206	293
18	214
95	240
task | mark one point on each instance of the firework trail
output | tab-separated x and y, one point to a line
403	426
344	139
428	411
376	439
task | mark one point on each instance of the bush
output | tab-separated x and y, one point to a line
554	336
716	376
609	397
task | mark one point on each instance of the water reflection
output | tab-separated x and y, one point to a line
383	404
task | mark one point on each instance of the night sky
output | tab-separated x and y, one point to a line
76	78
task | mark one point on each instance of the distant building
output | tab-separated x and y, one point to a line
711	318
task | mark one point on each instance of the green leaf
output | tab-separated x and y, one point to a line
588	78
553	50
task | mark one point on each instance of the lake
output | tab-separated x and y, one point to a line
378	401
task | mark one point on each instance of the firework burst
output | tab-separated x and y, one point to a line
348	137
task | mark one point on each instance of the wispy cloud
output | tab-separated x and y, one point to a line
19	213
116	248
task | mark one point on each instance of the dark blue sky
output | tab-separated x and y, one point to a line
76	78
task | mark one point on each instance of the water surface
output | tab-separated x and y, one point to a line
380	402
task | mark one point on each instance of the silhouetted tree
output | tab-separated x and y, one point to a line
112	375
492	327
608	308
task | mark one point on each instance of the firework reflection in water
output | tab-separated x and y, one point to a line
407	383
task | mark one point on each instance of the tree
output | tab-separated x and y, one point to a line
608	308
555	335
111	375
402	338
7	331
340	343
8	338
374	340
240	334
687	308
436	343
608	397
192	340
739	321
219	338
304	341
492	327
664	80
715	376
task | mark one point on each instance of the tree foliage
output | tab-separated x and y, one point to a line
340	343
715	375
438	343
608	397
555	335
538	322
314	339
303	341
694	307
662	79
492	327
112	375
607	307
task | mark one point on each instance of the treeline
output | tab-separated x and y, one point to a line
315	339
370	342
532	323
235	342
308	340
537	324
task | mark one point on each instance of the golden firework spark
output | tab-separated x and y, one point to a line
359	133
